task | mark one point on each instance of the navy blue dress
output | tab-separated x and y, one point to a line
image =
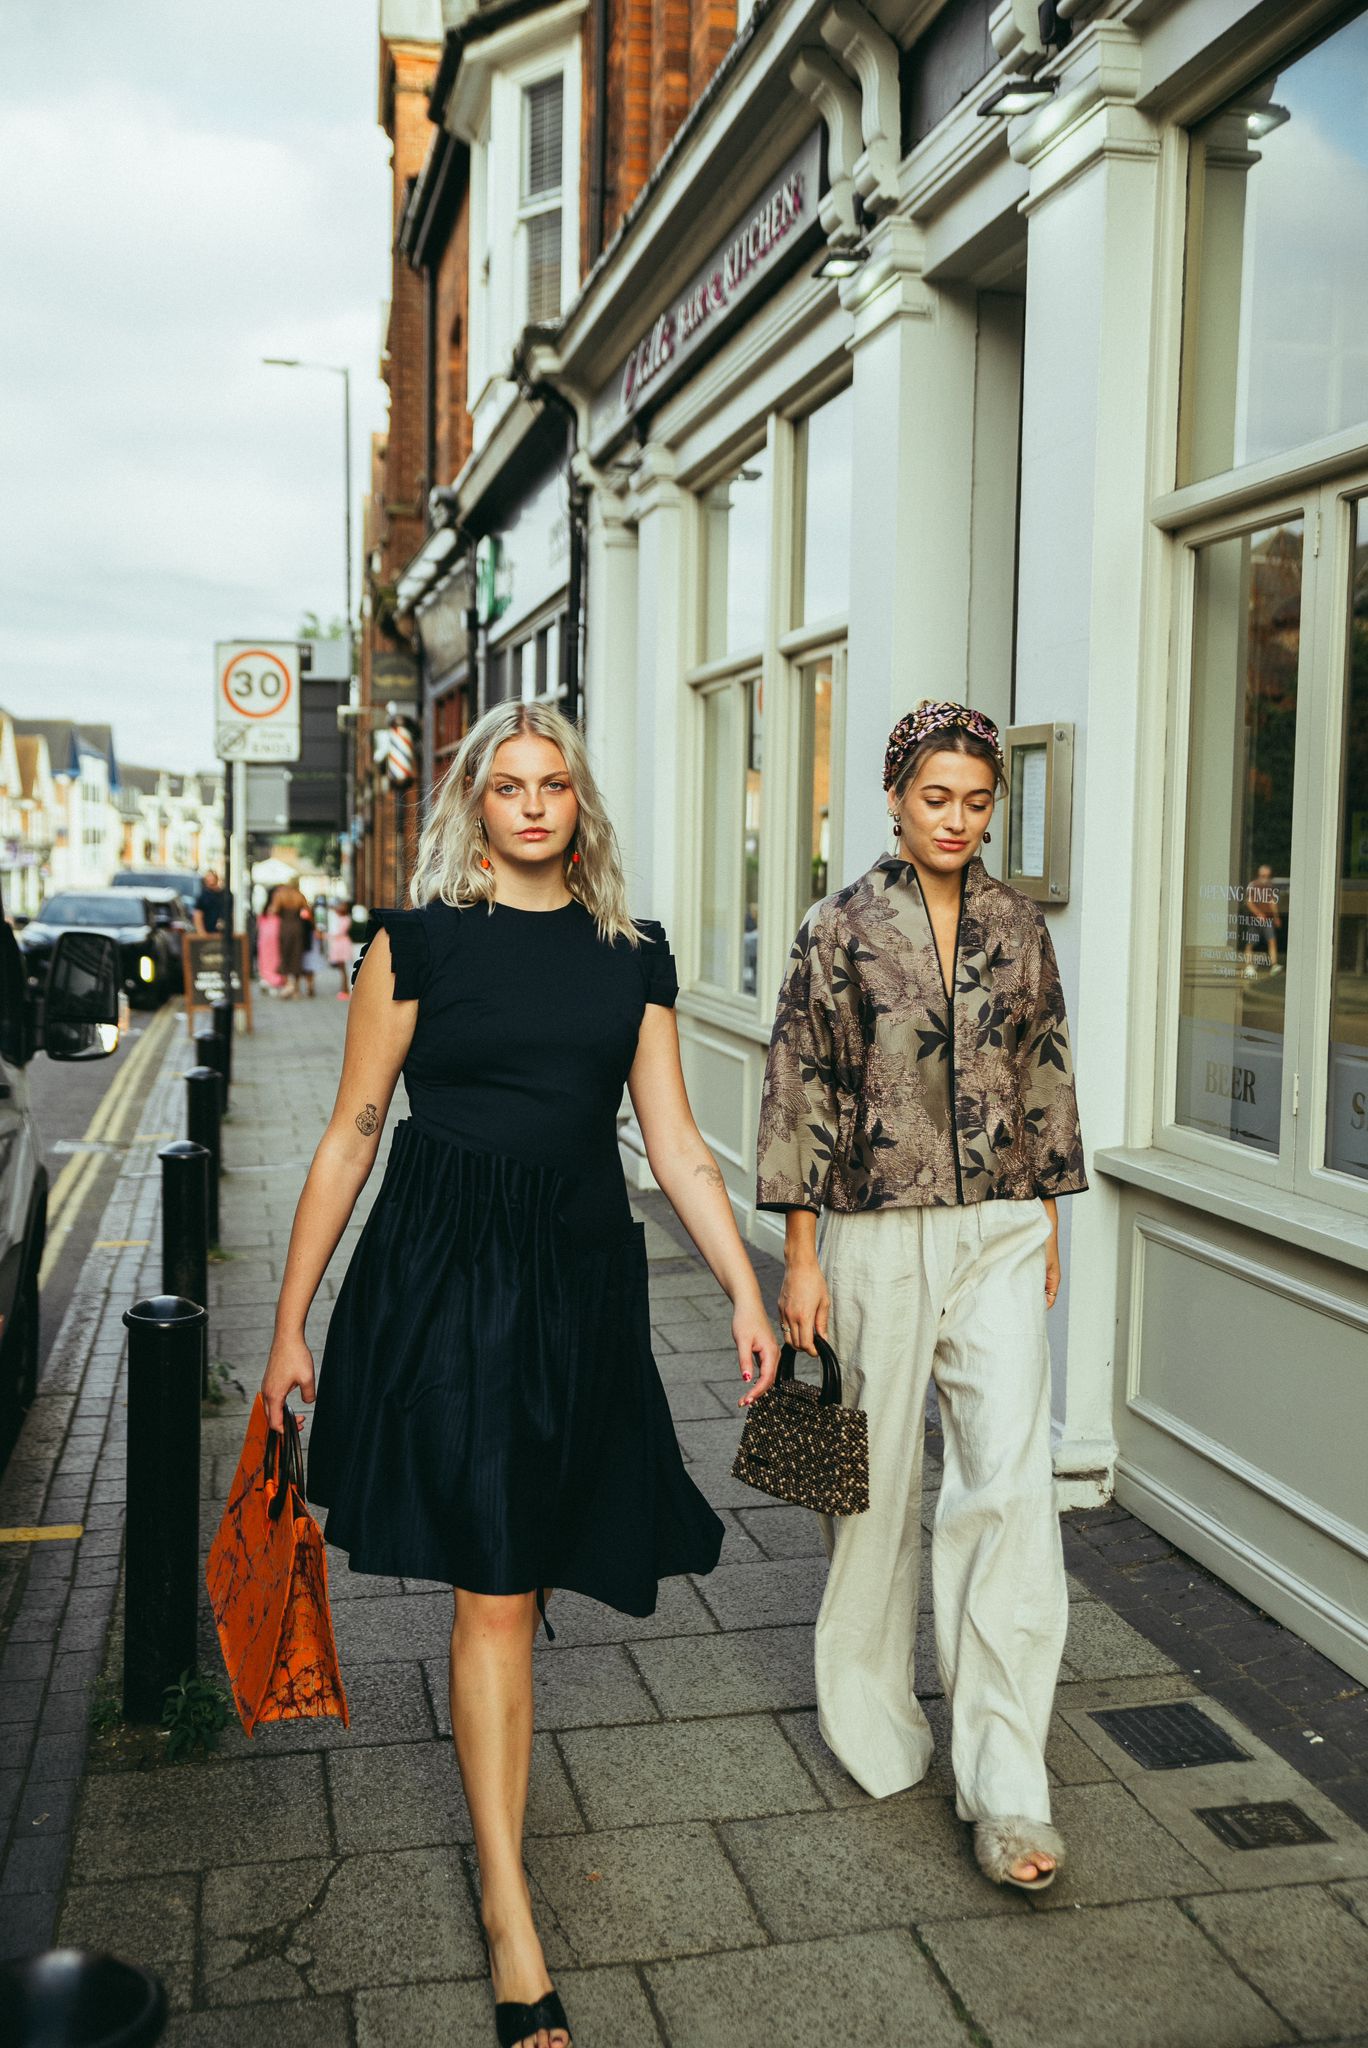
489	1412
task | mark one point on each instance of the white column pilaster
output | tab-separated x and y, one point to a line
610	667
913	347
660	661
1093	224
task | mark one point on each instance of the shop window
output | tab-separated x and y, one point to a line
736	551
730	882
1275	347
816	683
1238	932
826	510
1346	1133
539	212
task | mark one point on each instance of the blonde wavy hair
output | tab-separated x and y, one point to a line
452	844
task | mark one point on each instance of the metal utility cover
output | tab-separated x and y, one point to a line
1174	1737
1266	1824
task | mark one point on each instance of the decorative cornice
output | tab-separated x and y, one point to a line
820	79
1093	117
853	34
889	286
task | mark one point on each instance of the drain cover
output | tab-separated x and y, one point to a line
1173	1737
1269	1824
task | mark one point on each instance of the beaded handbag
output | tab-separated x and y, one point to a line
799	1444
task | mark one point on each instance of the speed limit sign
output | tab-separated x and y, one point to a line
256	701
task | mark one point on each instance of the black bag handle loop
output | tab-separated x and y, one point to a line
283	1446
831	1370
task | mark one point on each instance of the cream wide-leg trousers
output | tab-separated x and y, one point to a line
958	1292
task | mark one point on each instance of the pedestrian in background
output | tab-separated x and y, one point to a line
919	1098
210	904
341	951
292	908
489	1413
268	947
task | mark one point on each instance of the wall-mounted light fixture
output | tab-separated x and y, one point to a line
1019	96
838	263
1263	120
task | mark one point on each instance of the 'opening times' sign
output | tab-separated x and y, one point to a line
256	700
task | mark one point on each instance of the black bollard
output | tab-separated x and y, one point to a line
166	1349
223	1026
203	1127
185	1225
209	1052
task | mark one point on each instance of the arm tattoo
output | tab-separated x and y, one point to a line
368	1122
712	1174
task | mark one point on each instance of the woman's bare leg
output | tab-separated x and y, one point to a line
491	1724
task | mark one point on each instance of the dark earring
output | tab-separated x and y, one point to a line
987	838
897	828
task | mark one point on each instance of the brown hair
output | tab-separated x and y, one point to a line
950	739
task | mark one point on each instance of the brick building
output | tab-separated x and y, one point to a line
545	122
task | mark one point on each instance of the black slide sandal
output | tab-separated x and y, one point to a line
515	2023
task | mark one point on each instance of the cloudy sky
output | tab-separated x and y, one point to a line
188	188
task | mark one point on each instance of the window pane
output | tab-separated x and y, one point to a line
750	877
1276	343
723	742
542	132
543	231
1346	1137
814	783
1237	885
825	589
736	559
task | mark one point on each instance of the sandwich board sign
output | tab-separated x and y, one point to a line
256	700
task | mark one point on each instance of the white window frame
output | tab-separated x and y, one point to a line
551	201
777	659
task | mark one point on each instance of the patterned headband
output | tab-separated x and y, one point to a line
918	725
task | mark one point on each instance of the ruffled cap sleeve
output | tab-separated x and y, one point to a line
408	941
657	963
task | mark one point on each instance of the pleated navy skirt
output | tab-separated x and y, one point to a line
489	1413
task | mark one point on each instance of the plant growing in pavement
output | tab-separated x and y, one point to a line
195	1713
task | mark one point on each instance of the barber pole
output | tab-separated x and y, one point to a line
400	758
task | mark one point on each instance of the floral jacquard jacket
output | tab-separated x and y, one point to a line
883	1090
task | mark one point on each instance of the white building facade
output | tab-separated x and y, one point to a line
1080	438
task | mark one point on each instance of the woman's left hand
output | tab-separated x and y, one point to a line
1052	1267
757	1349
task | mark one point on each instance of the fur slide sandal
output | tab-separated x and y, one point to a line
998	1844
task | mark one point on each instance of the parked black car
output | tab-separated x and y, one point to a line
181	881
74	1018
146	928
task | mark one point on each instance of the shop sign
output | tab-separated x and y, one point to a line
491	581
734	275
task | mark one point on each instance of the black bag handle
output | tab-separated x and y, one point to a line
831	1370
283	1445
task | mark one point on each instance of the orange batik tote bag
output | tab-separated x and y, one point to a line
268	1586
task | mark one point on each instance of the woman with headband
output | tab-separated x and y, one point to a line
919	1098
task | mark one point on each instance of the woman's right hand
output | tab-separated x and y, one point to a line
804	1305
290	1365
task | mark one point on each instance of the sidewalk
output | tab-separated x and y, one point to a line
707	1876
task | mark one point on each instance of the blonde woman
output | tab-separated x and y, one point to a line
490	1414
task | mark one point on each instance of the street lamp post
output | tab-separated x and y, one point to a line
341	370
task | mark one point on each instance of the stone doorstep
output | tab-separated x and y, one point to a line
1173	1797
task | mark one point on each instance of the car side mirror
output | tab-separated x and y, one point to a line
81	1005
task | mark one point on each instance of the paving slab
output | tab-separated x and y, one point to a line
687	1770
783	1531
831	1992
309	2023
747	1671
1116	1851
577	1620
1101	1645
638	1894
1132	1976
139	1823
286	1930
768	1595
593	1687
837	1786
409	1795
386	1702
1176	1797
405	1626
1300	1948
149	1918
882	1864
607	2008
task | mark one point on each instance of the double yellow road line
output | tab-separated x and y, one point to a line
76	1179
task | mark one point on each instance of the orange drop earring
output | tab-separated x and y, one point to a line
574	858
